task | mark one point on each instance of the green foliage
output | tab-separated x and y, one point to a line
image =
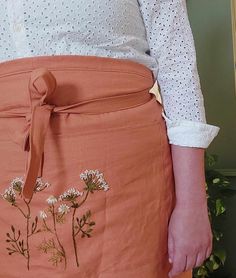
218	189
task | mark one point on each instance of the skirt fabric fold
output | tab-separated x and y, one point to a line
87	185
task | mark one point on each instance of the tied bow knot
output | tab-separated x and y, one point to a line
42	85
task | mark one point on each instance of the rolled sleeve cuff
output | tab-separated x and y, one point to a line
190	133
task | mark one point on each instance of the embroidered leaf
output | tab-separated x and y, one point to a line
8	235
56	258
12	228
46	246
60	218
88	214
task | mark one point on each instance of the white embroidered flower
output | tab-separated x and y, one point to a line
63	209
105	186
9	195
70	195
17	184
40	185
51	200
42	214
94	179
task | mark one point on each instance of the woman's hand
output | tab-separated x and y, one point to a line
189	237
189	231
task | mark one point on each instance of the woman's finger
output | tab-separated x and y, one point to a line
179	264
200	258
208	252
191	261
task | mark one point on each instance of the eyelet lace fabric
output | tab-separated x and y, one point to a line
156	33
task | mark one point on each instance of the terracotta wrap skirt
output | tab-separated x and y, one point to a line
87	185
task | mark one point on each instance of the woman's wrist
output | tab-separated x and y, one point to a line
200	203
189	174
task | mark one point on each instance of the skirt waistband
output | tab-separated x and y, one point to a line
78	79
82	62
36	87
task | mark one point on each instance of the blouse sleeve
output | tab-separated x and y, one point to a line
171	43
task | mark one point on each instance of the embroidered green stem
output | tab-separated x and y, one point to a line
62	251
76	206
27	230
15	205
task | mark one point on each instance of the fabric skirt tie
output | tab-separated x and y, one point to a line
87	184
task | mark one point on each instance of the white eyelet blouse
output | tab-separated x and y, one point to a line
155	33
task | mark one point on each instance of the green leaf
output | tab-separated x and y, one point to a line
219	207
209	265
211	159
221	254
202	271
211	258
216	180
217	234
215	266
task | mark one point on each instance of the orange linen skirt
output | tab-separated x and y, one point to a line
87	186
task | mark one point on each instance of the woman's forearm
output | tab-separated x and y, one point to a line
189	173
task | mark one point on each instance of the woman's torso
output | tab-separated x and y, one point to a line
109	28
